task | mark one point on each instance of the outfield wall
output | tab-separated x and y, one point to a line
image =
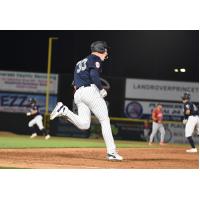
122	100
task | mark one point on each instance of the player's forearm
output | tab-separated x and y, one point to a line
187	112
94	75
98	84
35	112
32	112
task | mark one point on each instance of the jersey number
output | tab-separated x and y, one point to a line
81	65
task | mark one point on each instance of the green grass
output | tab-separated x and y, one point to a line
20	141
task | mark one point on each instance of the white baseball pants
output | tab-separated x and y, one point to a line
191	125
155	128
88	99
37	120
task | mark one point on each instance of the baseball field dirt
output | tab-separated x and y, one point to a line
19	151
94	158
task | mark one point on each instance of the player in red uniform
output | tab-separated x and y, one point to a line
157	117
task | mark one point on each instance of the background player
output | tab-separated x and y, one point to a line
35	119
157	117
191	120
89	96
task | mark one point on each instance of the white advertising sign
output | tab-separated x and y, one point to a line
143	109
27	82
160	90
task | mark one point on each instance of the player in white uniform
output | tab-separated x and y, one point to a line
35	118
89	96
191	121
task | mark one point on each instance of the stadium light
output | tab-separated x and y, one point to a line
176	70
179	70
182	70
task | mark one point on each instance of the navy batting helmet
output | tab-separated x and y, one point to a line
32	101
186	96
99	46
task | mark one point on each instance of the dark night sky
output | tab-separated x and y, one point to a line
137	54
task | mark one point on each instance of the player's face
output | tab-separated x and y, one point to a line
159	107
184	100
104	56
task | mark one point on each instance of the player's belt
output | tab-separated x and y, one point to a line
83	86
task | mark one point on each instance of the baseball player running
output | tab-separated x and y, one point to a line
89	96
157	116
191	120
36	119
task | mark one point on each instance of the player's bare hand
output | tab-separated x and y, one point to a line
103	93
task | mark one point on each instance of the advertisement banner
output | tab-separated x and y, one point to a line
143	109
17	103
66	129
11	81
160	90
175	133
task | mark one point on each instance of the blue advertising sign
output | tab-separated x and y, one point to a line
15	102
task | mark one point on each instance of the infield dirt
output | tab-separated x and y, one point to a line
95	158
